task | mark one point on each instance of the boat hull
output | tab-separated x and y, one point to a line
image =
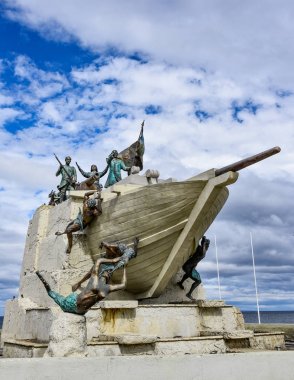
158	214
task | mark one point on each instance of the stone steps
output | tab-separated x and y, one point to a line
173	346
134	344
13	348
118	328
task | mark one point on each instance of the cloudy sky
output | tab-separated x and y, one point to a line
214	81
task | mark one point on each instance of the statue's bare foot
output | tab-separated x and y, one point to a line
190	297
180	285
45	283
75	287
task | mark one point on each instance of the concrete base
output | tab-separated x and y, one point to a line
118	328
257	366
68	336
25	320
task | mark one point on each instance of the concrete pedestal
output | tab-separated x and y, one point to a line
68	336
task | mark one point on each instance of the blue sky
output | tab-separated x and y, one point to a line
214	83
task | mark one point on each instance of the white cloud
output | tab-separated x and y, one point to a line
240	39
8	114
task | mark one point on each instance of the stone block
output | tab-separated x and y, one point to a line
232	318
268	341
129	339
36	232
190	346
166	321
68	336
25	320
103	349
211	303
118	304
238	334
52	253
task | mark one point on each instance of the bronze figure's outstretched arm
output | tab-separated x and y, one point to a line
85	174
122	285
101	174
79	283
94	269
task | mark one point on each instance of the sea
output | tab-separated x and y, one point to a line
269	317
251	317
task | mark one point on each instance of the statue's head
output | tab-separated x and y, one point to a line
67	160
91	203
115	153
94	168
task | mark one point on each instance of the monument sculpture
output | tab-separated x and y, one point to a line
137	310
116	164
68	177
91	209
93	177
54	198
189	267
119	254
131	157
98	286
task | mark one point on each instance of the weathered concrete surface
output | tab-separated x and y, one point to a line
68	336
164	321
268	341
286	328
238	334
23	349
257	366
112	345
26	320
118	304
131	339
174	329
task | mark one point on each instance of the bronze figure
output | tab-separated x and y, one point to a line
54	198
91	209
93	177
113	251
68	177
98	286
116	164
189	267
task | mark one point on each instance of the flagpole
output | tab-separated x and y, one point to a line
217	268
256	293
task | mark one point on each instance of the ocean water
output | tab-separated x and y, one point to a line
269	316
251	317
